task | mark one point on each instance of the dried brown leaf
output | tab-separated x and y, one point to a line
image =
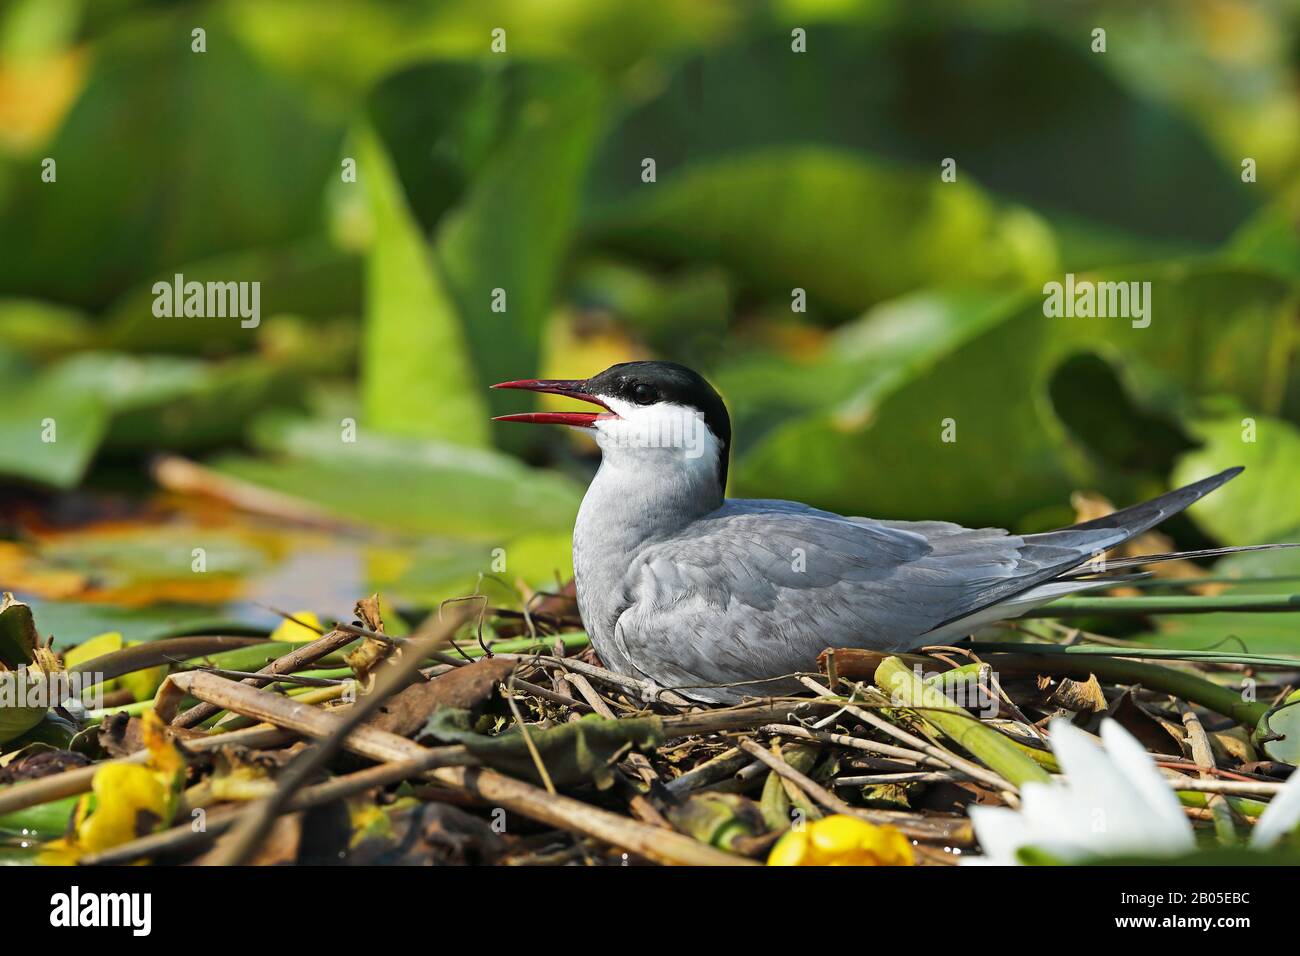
465	688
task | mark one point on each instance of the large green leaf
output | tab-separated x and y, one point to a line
491	156
41	329
891	344
56	420
849	231
344	46
417	376
1041	406
1269	241
309	278
168	156
1025	113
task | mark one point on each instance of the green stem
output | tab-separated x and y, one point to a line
1166	604
1166	680
934	707
1243	805
518	645
44	821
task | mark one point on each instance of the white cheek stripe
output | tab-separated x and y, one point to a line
665	425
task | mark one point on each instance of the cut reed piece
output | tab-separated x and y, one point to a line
745	717
969	767
954	722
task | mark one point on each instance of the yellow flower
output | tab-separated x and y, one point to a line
130	800
842	841
295	633
368	821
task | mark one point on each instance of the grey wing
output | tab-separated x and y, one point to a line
759	588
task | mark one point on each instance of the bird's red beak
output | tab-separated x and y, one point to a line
569	388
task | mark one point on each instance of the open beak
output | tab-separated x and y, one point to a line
569	388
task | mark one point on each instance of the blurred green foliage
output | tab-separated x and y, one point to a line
481	173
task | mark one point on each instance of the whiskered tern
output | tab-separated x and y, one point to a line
685	588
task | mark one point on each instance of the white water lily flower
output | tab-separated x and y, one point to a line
1113	801
1281	817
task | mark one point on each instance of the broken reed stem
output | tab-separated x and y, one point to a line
800	780
561	812
954	722
290	713
724	765
1240	788
744	717
638	761
858	743
644	689
1198	604
296	659
947	757
1165	680
564	700
922	776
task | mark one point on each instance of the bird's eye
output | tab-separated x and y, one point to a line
643	394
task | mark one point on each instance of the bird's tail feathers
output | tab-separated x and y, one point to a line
1060	552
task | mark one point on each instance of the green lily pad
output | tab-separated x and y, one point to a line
1278	733
921	231
49	434
175	402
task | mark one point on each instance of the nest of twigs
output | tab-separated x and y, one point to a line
445	747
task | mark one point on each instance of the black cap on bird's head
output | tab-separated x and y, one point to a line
626	387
